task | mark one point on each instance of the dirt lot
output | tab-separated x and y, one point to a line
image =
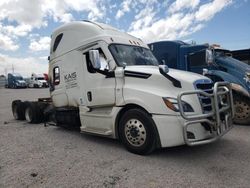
37	156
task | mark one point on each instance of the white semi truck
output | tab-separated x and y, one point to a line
107	82
37	81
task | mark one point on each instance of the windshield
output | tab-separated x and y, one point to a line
197	59
223	53
127	55
40	78
19	78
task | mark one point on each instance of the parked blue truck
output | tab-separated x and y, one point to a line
15	80
213	63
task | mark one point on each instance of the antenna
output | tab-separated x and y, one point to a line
12	68
5	71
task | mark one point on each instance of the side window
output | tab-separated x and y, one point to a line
197	59
56	75
57	41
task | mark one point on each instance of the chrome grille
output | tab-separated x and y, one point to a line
207	86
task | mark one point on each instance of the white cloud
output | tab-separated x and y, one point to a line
183	4
180	23
20	30
125	7
145	16
22	11
60	10
65	18
20	17
24	66
6	43
39	45
119	14
207	11
33	12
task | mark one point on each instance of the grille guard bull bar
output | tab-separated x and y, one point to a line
220	107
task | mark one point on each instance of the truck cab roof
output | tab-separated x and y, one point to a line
79	33
15	74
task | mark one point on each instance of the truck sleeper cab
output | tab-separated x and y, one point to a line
108	83
38	81
15	80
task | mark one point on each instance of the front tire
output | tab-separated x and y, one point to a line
137	132
242	110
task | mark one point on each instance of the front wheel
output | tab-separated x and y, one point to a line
242	110
137	132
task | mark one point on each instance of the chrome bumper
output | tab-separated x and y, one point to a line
219	119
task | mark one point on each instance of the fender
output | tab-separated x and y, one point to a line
236	84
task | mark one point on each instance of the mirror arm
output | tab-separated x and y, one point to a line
108	74
174	81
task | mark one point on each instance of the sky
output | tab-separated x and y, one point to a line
26	26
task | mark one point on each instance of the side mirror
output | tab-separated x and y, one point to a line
94	57
209	56
164	68
204	72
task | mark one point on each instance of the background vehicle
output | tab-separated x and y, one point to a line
242	55
213	63
3	81
15	80
106	82
37	81
46	77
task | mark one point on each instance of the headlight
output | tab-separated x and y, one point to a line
209	56
247	77
172	104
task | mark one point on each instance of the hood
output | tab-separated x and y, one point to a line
235	68
148	84
233	64
42	81
184	77
21	81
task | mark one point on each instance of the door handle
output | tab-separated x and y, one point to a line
89	95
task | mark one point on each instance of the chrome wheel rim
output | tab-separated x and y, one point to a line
135	132
27	114
242	110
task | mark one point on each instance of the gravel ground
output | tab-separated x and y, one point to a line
37	156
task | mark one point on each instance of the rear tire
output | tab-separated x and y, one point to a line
137	132
17	110
33	113
242	110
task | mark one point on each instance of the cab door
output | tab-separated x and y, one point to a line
99	90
